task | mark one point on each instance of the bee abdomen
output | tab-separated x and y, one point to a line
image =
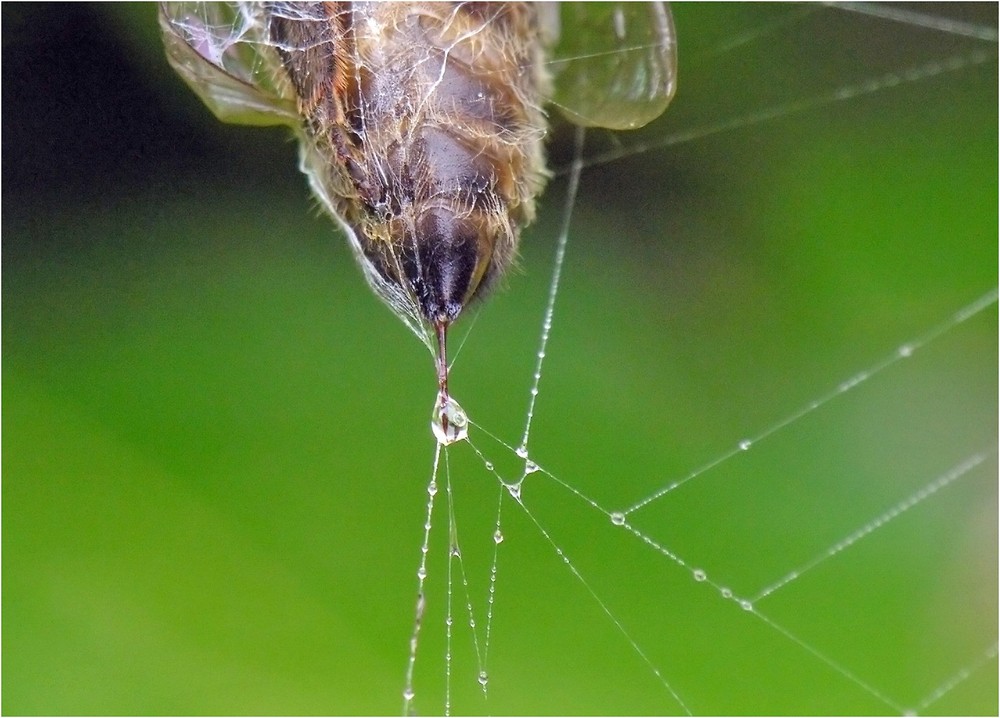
430	116
461	83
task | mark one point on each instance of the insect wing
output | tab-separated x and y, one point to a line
614	64
223	53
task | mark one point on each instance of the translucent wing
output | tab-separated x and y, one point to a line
221	49
614	64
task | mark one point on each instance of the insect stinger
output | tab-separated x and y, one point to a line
449	421
441	358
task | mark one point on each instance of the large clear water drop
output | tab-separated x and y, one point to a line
449	422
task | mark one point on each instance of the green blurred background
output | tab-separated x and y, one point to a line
216	440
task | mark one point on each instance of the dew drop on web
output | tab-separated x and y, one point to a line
449	421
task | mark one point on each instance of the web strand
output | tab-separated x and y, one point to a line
904	351
878	522
837	667
917	19
550	306
750	605
604	607
494	567
960	676
455	554
449	613
917	73
418	618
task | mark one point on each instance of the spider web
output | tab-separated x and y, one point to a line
806	524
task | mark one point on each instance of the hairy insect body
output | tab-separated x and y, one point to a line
426	129
420	124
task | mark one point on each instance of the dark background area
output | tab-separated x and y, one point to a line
94	109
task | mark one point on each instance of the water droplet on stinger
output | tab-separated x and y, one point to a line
449	422
530	467
617	518
483	678
498	536
699	575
